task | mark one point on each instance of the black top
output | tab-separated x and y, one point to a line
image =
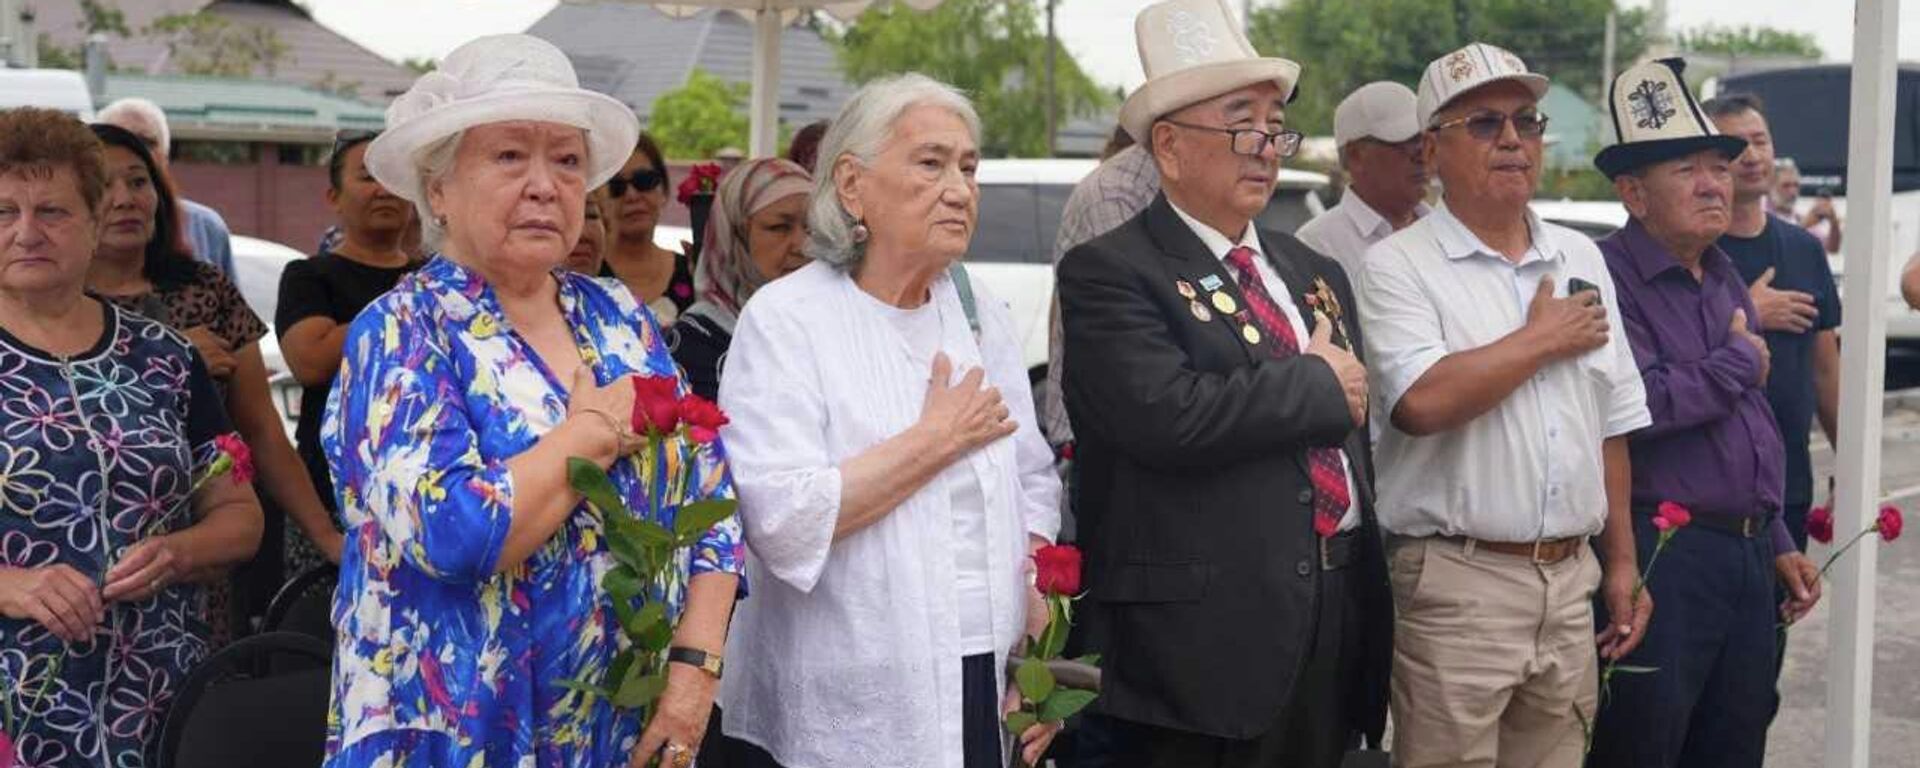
679	287
699	346
336	288
1799	263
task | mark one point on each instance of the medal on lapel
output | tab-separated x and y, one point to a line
1185	289
1225	303
1200	311
1250	333
1211	283
1325	303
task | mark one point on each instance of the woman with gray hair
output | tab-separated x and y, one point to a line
470	589
890	496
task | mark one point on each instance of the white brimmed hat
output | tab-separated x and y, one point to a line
1655	118
1193	50
1380	110
1478	64
494	79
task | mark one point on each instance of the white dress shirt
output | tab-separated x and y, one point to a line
1345	232
1277	290
848	651
1530	468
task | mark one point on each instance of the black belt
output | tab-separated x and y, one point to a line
1743	526
1339	550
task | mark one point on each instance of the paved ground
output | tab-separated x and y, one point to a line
1798	736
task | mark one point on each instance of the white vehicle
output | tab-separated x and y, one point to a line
1594	218
61	89
1020	206
257	265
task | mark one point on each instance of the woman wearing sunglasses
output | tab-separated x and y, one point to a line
660	278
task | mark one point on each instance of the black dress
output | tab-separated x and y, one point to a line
679	287
699	346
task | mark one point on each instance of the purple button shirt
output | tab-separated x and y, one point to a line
1713	445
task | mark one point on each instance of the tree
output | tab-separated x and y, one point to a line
420	65
1344	44
1750	41
204	44
700	117
992	50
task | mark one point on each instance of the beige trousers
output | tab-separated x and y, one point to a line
1492	654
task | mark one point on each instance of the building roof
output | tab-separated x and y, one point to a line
635	53
236	109
314	54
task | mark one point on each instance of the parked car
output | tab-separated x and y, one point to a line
1021	202
257	265
61	89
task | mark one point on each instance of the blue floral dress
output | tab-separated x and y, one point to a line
440	661
97	452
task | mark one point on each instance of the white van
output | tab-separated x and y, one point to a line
61	89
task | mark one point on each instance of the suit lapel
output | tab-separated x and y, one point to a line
1298	278
1215	291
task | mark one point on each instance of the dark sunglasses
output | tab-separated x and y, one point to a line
1486	126
643	180
348	138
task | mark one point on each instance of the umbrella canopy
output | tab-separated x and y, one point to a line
768	17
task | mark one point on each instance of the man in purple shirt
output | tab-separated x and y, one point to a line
1713	446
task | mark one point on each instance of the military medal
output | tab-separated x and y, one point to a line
1250	333
1324	302
1224	303
1200	311
1185	288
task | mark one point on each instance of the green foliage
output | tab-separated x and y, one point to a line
420	65
1344	44
995	51
103	16
700	117
1747	40
1035	680
205	44
1584	183
1064	703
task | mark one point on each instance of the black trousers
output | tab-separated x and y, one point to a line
980	726
1314	730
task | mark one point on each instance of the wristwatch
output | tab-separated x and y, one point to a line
709	663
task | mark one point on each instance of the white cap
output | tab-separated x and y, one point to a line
1463	70
1193	50
1380	110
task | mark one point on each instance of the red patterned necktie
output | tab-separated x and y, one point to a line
1330	497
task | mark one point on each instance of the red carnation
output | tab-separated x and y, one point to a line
1677	515
704	419
1890	522
1820	525
656	405
1057	569
701	179
1662	524
237	452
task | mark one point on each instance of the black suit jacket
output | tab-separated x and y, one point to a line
1195	507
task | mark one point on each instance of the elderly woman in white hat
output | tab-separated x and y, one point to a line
470	587
892	481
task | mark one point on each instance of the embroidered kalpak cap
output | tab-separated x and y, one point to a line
1193	50
1655	118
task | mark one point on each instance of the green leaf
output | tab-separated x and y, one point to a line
622	584
1034	679
1091	659
1064	703
622	664
591	481
655	638
694	520
652	535
576	685
644	621
640	691
1055	638
1019	722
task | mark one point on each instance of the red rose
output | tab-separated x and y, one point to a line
1890	522
703	418
1820	525
701	179
1662	524
656	405
1056	569
1676	514
236	451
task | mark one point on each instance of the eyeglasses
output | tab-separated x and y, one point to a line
643	180
1253	141
1487	126
347	138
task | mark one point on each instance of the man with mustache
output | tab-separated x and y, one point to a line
1509	397
1235	582
1380	150
1712	447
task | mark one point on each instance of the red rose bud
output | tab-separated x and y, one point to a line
237	452
703	418
1663	524
656	405
1056	569
1674	513
1820	525
1890	522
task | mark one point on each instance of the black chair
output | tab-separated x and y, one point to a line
261	701
305	604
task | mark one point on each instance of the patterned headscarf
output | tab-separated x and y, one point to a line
727	276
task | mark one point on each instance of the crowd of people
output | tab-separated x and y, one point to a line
1409	462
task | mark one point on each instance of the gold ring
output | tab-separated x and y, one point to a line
682	756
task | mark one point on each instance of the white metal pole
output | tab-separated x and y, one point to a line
764	116
1850	634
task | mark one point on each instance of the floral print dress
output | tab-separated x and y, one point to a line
440	661
97	452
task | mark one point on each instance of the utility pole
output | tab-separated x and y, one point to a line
1052	119
1606	55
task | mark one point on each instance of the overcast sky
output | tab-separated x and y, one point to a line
1098	32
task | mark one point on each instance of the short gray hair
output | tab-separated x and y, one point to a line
435	163
144	111
861	128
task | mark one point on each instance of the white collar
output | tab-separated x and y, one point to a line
1369	221
1217	243
1459	242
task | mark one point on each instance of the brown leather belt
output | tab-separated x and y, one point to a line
1544	551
